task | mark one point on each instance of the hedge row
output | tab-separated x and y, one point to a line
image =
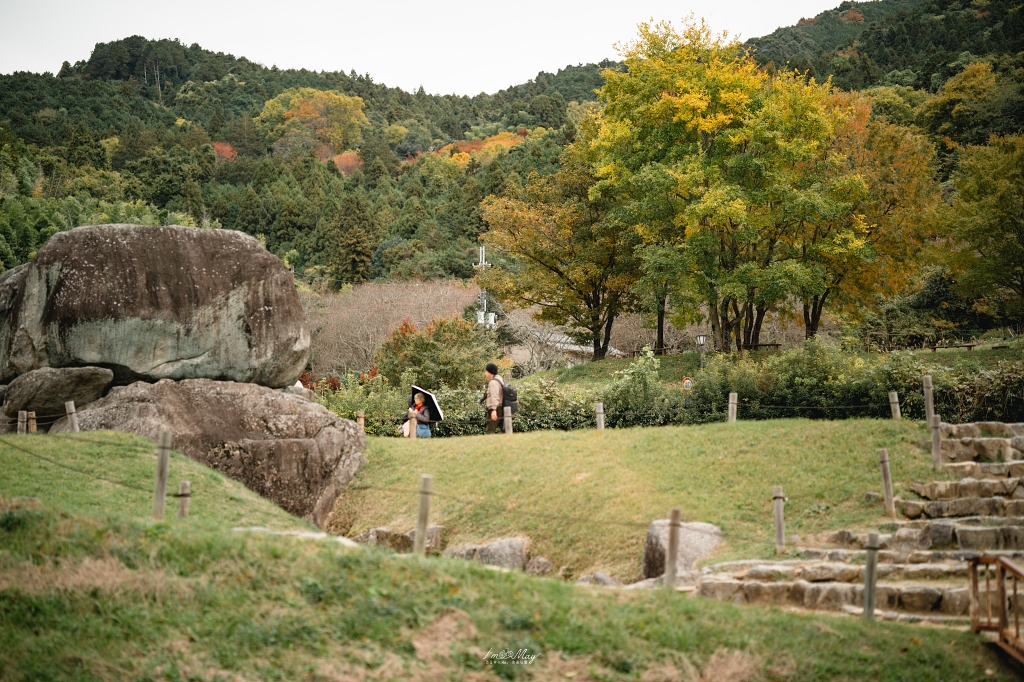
818	381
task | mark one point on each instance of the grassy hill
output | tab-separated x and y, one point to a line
90	589
586	499
67	470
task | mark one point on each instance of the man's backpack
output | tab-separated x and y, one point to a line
510	397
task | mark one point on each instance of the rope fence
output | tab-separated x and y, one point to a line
576	420
426	493
159	490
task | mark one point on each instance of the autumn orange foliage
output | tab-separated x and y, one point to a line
348	163
852	16
225	152
484	150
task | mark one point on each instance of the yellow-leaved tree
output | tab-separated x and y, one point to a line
721	166
570	257
328	117
763	187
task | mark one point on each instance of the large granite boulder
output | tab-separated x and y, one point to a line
696	541
153	303
45	390
287	449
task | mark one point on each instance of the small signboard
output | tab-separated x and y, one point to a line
687	384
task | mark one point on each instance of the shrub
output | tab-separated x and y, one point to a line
818	381
447	352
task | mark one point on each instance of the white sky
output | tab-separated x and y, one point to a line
446	45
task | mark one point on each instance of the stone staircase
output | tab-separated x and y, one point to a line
984	441
911	592
922	560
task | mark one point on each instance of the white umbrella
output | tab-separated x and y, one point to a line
430	400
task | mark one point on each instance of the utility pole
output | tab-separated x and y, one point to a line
482	317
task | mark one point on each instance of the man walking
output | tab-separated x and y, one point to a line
494	398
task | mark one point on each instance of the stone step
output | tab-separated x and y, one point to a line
833	596
910	618
969	487
979	533
816	571
985	469
956	450
959	521
899	557
961	506
982	430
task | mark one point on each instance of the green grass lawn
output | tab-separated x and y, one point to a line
489	487
82	599
216	502
92	589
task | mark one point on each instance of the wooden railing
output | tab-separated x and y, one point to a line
995	610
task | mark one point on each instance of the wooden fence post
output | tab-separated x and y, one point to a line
972	572
1004	617
733	402
929	399
420	541
894	405
780	521
69	407
163	460
31	422
22	422
883	460
871	576
413	423
508	420
936	442
600	416
184	495
361	420
673	549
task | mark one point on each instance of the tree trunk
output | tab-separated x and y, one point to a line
813	308
755	336
748	323
717	336
598	349
659	348
607	333
737	324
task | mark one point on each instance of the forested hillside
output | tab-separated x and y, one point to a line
802	43
916	43
585	180
345	178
